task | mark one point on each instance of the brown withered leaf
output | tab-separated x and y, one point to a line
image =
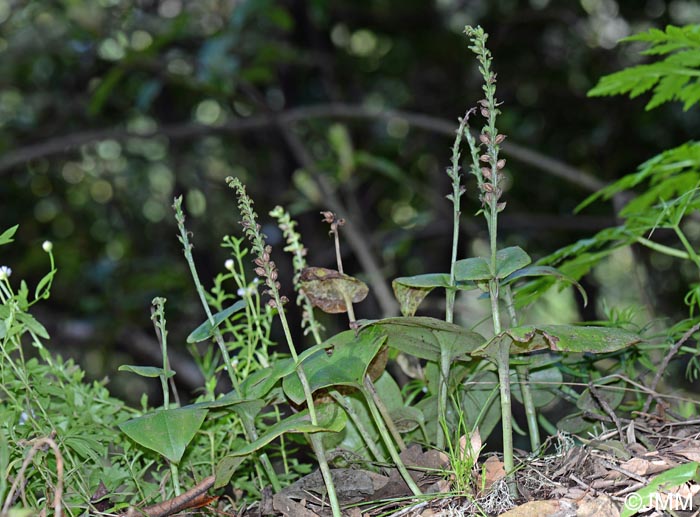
329	289
494	470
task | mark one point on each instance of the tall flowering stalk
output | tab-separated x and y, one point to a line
298	251
490	179
266	269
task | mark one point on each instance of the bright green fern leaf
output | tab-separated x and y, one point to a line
675	78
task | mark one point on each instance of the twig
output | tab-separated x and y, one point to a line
184	131
606	407
193	498
357	241
664	364
58	494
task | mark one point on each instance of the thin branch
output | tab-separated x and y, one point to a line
667	359
189	130
356	239
195	497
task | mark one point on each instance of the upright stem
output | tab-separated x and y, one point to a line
524	380
247	421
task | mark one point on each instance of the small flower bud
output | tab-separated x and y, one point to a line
258	262
273	275
284	299
484	158
229	264
487	187
47	246
500	138
500	164
488	197
268	249
272	304
265	256
485	113
500	206
486	173
5	272
260	271
328	216
484	103
484	138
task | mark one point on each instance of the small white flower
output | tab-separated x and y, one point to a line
241	292
234	363
256	280
5	272
47	246
229	264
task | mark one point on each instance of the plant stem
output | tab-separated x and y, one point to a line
451	292
364	432
246	420
372	390
523	372
390	445
661	248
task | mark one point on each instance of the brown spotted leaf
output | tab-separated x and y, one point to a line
329	289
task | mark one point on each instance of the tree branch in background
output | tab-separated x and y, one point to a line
357	241
190	130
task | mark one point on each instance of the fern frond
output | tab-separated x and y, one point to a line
675	78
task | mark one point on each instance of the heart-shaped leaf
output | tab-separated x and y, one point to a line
166	431
206	329
410	291
476	269
561	338
330	290
545	271
424	337
343	363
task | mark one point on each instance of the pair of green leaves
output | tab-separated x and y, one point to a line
472	273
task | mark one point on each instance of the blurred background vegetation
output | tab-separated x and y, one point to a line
110	108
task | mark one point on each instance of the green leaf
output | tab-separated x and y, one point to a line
32	324
330	418
662	483
508	260
424	337
225	469
6	236
543	381
206	329
531	271
259	383
40	291
168	431
472	269
672	78
561	338
410	291
145	371
344	363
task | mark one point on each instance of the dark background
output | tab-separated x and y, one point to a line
110	108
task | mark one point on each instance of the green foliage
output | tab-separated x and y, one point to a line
675	78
